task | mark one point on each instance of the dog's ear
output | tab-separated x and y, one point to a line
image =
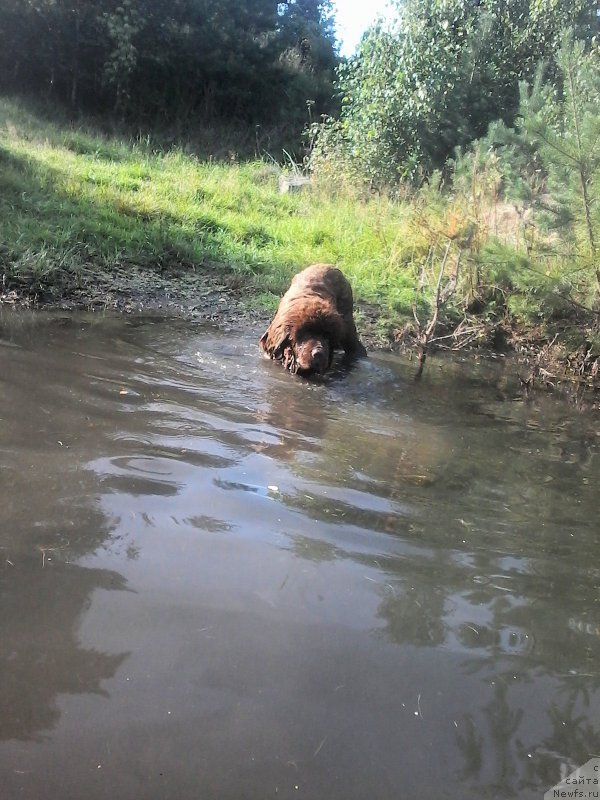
283	342
263	340
279	350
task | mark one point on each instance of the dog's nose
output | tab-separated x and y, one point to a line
318	358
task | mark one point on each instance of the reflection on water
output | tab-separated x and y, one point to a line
218	581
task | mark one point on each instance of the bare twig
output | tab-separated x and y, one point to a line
426	335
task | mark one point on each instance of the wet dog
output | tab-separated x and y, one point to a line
314	318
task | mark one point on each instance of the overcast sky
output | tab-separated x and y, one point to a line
353	17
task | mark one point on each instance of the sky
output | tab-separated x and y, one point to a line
353	18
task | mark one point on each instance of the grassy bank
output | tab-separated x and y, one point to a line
77	210
74	205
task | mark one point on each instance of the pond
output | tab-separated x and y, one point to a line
221	581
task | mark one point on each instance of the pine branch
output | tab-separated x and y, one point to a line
583	177
554	146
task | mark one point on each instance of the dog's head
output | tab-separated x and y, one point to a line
302	352
312	353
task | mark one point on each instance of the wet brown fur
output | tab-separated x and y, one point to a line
313	319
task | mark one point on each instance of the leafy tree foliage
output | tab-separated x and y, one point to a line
245	60
309	51
439	76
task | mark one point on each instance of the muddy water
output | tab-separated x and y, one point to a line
218	581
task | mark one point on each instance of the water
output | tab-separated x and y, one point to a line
219	581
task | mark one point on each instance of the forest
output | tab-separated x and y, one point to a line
454	159
157	62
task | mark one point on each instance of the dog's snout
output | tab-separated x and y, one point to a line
318	357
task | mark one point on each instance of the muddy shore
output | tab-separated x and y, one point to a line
226	299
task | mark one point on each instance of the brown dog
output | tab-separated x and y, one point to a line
314	318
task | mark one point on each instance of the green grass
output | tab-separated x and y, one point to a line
74	204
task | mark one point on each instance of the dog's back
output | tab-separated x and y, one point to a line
326	281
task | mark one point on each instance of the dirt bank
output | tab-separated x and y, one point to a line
227	299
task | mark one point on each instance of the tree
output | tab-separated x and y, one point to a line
123	25
307	27
439	75
562	122
249	61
